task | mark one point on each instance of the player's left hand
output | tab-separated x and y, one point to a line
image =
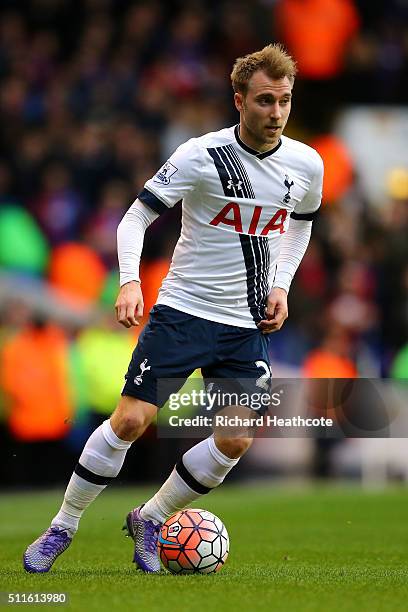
276	311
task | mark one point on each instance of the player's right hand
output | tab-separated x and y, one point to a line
129	305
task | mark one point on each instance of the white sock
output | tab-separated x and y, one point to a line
201	469
100	461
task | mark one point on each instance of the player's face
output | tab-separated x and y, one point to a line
264	110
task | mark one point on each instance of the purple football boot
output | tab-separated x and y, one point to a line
145	535
41	554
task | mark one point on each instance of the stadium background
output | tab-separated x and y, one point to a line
94	96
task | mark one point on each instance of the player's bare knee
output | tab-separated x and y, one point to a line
131	418
233	447
133	425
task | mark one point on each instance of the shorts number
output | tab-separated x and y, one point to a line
263	380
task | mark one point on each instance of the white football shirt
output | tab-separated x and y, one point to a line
236	207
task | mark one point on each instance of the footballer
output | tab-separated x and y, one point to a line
249	196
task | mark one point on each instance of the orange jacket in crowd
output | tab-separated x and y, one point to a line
317	33
35	379
322	363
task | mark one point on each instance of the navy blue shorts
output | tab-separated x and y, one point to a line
174	344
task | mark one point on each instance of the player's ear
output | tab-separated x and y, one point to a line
238	99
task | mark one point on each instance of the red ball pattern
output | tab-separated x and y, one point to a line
193	541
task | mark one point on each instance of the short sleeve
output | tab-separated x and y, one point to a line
307	208
175	179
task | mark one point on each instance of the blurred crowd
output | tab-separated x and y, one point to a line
94	96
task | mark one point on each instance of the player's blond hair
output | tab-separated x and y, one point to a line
273	59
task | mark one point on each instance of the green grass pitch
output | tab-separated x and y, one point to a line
304	549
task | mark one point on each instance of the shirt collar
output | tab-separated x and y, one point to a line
257	154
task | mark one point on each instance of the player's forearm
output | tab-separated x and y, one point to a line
294	245
130	236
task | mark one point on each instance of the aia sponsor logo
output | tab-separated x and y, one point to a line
231	215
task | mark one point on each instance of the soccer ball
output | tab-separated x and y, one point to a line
193	541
